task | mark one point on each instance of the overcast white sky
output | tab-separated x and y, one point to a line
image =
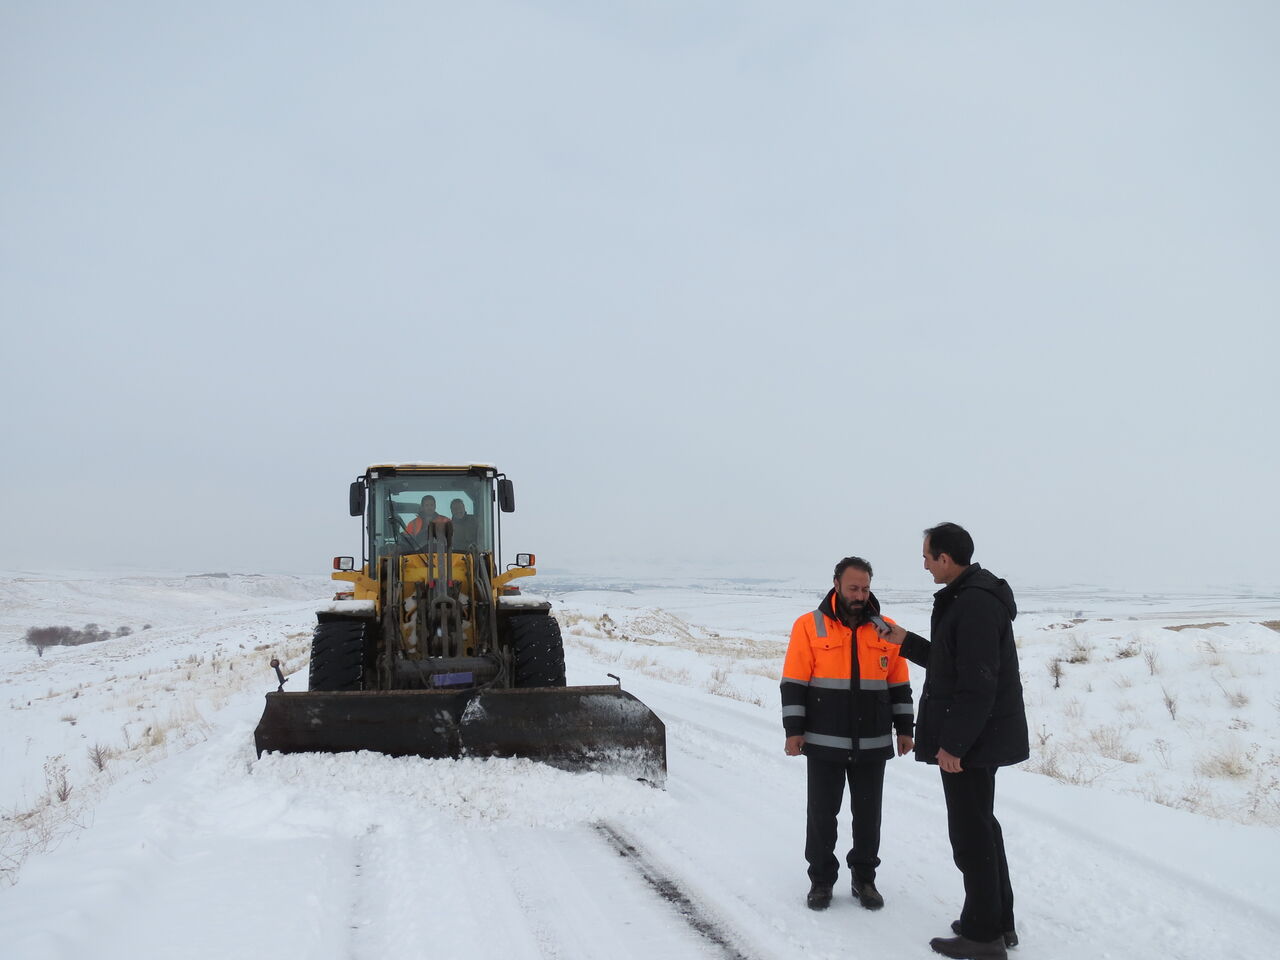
732	287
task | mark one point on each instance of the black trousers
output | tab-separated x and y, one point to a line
978	848
826	792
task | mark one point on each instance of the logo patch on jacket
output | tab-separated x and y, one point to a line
884	663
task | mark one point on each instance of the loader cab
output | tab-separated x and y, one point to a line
392	501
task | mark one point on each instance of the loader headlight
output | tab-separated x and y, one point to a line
344	563
525	559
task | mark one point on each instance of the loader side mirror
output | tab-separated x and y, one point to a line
357	499
506	496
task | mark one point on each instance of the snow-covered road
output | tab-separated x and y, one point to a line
209	852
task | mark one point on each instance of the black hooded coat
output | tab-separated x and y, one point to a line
971	703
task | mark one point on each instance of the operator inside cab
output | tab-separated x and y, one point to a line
425	518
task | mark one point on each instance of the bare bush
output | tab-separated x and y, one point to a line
1230	762
1170	703
41	637
1047	765
1130	649
1161	748
1050	764
1152	661
1079	651
98	756
56	779
1209	651
1055	671
1110	743
1236	698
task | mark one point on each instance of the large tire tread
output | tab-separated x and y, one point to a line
338	655
537	651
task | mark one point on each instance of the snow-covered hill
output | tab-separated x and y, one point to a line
138	822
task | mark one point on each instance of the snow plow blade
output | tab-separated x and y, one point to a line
600	728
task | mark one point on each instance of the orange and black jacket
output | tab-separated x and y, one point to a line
844	689
416	525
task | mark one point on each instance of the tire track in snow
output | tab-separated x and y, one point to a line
361	907
669	890
581	904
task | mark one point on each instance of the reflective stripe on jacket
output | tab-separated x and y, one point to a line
822	701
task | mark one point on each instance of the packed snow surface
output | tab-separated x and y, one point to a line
138	822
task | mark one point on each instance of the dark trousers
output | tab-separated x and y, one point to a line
978	848
826	792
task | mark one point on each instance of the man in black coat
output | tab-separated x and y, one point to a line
970	721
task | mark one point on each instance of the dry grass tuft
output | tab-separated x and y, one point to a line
1110	743
1231	763
1078	651
1130	649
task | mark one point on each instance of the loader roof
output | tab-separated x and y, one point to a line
428	466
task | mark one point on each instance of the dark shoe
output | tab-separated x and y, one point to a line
962	948
867	894
1010	936
819	896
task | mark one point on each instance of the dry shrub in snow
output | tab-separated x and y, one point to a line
720	684
1229	761
1130	649
98	756
1051	763
1110	743
41	637
1078	651
1236	698
56	779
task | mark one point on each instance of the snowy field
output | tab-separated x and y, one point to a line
137	822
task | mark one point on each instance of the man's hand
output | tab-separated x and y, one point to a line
949	762
905	743
897	633
793	745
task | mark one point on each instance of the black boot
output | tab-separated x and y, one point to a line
1010	936
867	894
962	948
819	896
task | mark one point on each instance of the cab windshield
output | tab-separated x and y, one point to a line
402	508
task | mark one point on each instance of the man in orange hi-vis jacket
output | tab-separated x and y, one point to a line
426	516
845	691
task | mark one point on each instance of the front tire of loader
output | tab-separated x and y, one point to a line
538	651
339	655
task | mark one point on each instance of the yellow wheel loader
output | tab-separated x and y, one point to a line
432	651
